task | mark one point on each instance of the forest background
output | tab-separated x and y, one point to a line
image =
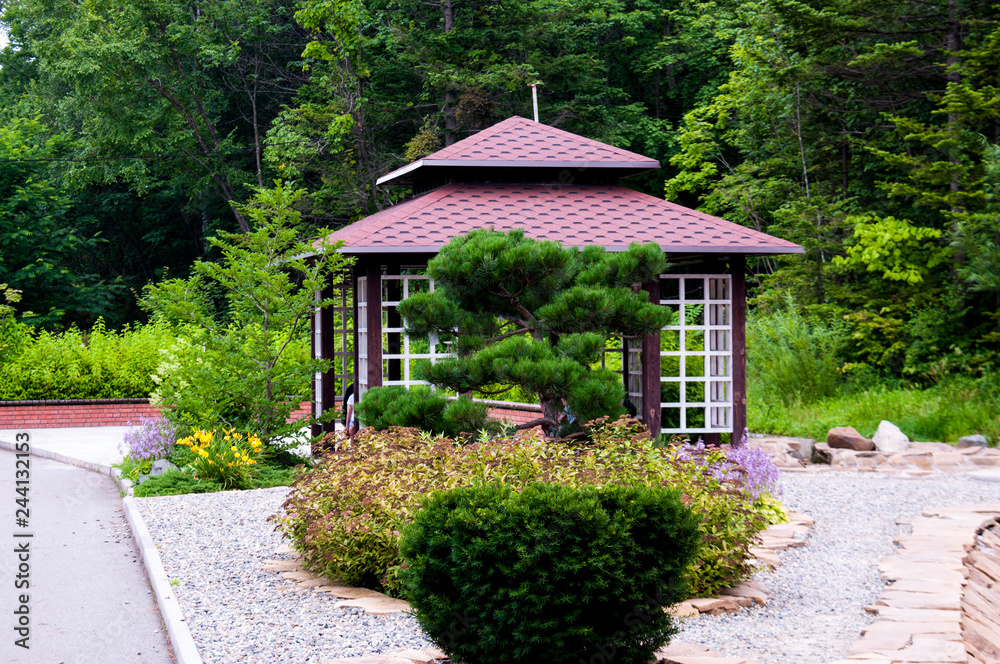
133	131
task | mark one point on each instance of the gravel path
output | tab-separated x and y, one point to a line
215	544
817	596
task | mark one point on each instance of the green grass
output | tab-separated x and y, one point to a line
941	413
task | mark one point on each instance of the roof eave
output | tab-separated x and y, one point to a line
669	249
636	166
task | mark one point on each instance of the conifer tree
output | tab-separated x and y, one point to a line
535	315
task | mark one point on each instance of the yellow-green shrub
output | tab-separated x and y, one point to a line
345	516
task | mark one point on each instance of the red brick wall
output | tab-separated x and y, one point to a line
82	413
516	415
88	413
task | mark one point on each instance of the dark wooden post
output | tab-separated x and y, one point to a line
315	429
374	297
327	347
737	264
651	398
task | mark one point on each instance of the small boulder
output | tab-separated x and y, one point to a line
161	466
977	440
142	478
846	438
821	454
889	439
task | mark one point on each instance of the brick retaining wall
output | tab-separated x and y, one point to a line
86	413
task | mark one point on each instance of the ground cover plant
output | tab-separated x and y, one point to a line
551	573
347	513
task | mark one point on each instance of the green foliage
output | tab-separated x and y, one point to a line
42	242
97	364
346	514
957	407
535	316
550	573
792	357
245	361
422	408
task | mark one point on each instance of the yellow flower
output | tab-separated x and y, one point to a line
233	448
202	453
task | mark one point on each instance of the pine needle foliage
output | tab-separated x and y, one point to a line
551	574
535	315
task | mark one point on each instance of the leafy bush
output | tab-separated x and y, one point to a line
420	407
550	574
792	357
98	364
242	353
345	515
224	456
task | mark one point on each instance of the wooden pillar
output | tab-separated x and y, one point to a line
737	264
316	429
374	297
328	339
651	398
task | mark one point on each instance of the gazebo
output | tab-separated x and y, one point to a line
690	378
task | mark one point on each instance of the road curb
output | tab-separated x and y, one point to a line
185	650
180	635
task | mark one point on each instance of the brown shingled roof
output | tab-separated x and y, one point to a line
573	215
520	142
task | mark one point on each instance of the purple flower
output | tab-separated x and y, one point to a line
154	439
761	473
751	467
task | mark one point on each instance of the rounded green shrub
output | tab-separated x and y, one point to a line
420	407
550	574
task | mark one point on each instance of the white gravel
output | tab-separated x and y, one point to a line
818	594
215	545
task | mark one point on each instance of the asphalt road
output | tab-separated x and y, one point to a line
88	598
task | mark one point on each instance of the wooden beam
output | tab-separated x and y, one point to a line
373	273
737	264
651	414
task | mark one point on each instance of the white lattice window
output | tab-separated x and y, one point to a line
696	356
361	294
401	353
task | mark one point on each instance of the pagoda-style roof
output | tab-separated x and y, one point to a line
525	145
610	216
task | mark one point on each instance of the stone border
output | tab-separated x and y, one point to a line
942	603
181	641
805	455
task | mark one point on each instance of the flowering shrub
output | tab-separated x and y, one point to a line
224	456
345	516
154	439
